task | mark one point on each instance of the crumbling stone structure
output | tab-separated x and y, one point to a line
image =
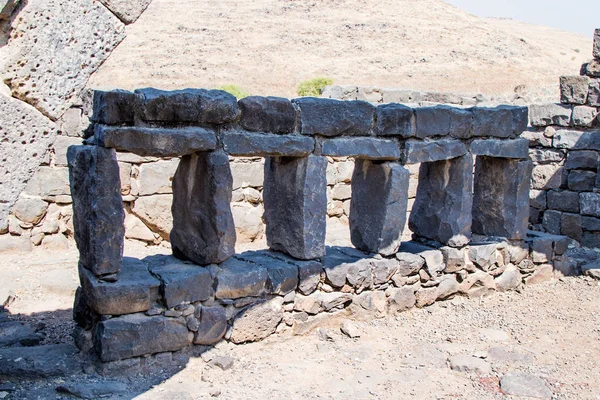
565	141
470	229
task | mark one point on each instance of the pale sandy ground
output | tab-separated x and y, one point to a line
269	46
552	330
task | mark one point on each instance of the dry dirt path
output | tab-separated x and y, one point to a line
550	331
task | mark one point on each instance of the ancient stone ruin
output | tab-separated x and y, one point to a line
469	219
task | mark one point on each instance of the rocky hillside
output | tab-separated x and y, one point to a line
269	46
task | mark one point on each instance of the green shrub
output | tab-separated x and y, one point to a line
235	90
313	87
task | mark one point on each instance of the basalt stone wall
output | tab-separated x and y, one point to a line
128	308
565	145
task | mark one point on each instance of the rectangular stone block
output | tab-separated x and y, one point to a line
594	93
183	283
550	114
584	116
570	225
501	197
136	335
157	142
98	214
203	227
577	140
563	200
283	275
551	221
395	120
251	144
590	204
362	148
135	291
237	278
267	114
113	107
418	152
517	148
442	209
596	52
582	181
590	223
328	117
443	121
378	206
583	159
295	200
198	106
501	121
574	89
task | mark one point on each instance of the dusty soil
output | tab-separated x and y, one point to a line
551	331
269	46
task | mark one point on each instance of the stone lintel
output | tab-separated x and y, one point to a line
361	148
515	148
429	151
251	144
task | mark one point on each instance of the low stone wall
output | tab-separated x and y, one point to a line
565	145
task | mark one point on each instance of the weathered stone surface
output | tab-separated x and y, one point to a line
247	174
335	300
582	159
155	212
547	176
239	143
592	69
537	199
590	204
510	279
582	180
395	120
212	327
537	138
584	116
401	299
267	114
97	208
136	334
60	146
590	223
203	228
467	363
517	148
551	221
454	259
283	275
408	263
198	106
236	279
257	322
94	390
442	209
157	142
434	259
563	200
295	199
546	156
113	107
183	283
577	140
336	265
30	210
594	93
25	135
421	152
15	243
15	332
135	291
574	89
591	239
383	269
443	121
309	272
361	148
570	225
596	51
51	184
126	10
525	385
378	206
311	304
154	178
550	114
329	117
501	121
543	273
39	361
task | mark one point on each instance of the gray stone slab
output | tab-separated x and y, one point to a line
295	201
577	140
237	278
17	333
594	93
113	107
395	120
429	151
501	197
361	148
127	11
582	159
212	325
524	385
157	142
432	258
590	204
98	214
135	291
198	106
251	144
309	272
378	206
563	200
137	334
328	117
596	51
203	228
267	114
443	121
574	89
283	275
550	114
442	208
501	122
582	180
337	265
516	148
258	321
183	283
39	361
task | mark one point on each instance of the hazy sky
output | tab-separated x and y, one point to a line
581	16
